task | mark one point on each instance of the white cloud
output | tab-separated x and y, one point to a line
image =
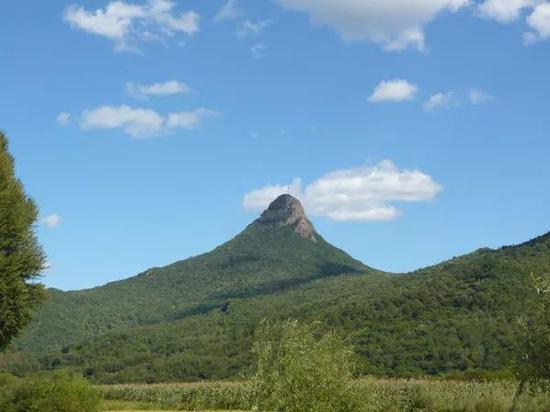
142	123
63	118
125	23
161	12
250	28
438	100
360	194
51	221
480	97
188	120
504	11
539	22
507	11
136	122
394	24
141	91
397	90
258	51
229	11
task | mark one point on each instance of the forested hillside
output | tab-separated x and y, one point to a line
271	254
195	319
459	316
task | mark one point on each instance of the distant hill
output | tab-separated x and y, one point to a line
195	319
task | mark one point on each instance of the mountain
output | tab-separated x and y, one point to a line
195	319
280	250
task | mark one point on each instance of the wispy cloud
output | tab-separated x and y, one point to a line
63	118
367	193
229	11
249	28
479	97
142	91
438	101
51	221
126	23
258	50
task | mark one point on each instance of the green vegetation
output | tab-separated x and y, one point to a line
198	320
299	369
533	365
194	396
195	319
21	259
374	395
259	261
452	319
55	393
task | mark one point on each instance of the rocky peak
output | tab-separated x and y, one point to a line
286	210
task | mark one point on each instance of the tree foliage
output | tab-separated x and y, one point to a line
451	319
534	364
301	370
21	258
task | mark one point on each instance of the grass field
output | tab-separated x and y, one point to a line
129	406
121	406
133	407
376	395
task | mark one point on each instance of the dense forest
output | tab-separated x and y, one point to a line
195	319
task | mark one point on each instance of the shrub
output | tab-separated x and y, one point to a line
56	393
533	366
301	370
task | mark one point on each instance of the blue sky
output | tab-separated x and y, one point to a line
150	131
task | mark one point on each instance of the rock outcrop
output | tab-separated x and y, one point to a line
286	210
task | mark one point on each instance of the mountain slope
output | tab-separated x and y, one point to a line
455	317
279	250
195	319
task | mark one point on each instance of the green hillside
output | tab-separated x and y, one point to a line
195	319
458	316
268	256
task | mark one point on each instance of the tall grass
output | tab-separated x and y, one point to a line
189	396
375	395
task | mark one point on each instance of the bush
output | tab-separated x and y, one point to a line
56	393
300	370
533	366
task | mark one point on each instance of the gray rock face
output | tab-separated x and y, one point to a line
286	210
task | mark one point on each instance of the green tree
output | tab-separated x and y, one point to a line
21	258
301	370
533	366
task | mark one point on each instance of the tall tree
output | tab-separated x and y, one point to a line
21	258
